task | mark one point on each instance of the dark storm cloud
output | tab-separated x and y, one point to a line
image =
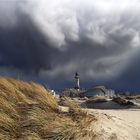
130	76
95	38
23	47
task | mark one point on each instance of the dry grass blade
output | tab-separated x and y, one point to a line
7	124
29	135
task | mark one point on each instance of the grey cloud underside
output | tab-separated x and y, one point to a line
99	46
24	47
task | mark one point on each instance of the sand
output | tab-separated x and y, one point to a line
117	124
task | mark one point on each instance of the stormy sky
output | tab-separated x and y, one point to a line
48	41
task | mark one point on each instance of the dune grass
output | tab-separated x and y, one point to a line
29	112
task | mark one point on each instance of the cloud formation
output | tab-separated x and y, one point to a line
56	38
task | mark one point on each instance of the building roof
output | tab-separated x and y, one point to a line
102	88
98	90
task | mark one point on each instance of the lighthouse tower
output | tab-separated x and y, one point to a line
77	81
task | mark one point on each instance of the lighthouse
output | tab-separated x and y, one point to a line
77	81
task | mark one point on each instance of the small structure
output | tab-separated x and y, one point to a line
96	91
76	91
110	93
71	92
77	82
52	92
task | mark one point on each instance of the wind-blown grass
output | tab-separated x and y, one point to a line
28	111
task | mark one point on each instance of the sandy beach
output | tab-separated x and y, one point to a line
118	124
115	124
